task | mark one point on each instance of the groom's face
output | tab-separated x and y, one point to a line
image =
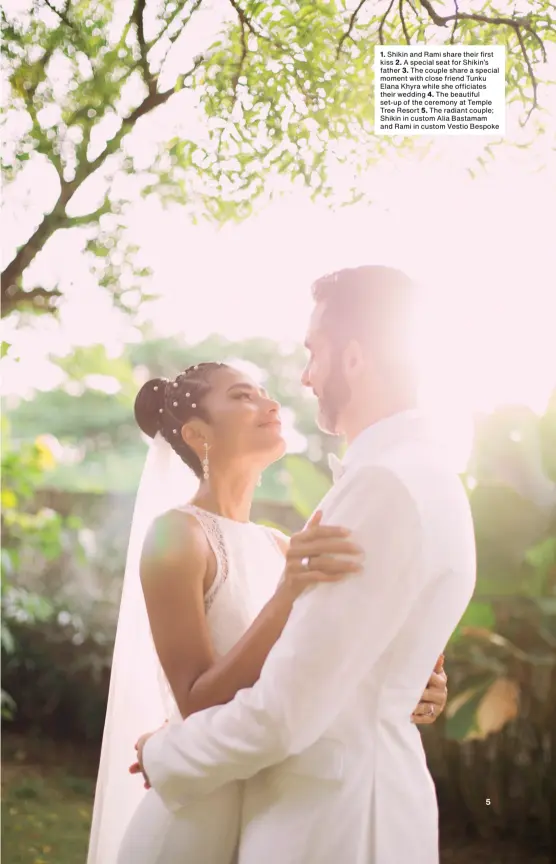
324	373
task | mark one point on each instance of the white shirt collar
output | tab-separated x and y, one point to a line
375	437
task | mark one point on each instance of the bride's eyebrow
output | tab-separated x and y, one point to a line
249	387
241	387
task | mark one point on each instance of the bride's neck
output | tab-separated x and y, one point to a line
230	497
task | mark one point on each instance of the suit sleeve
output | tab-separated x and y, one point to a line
335	634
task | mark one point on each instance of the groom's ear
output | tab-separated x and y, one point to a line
354	359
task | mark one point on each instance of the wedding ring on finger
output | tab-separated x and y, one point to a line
431	710
306	563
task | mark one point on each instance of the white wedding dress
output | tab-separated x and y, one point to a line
249	566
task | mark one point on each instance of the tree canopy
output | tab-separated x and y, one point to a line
257	92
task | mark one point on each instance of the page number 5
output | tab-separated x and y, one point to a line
488	802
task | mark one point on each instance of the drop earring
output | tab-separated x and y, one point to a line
206	466
260	481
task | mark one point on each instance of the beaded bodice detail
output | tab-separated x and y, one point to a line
249	565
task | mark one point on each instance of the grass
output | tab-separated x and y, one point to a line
46	808
47	797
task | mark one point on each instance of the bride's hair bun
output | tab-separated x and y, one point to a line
148	405
166	406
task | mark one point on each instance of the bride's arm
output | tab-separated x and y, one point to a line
241	666
174	566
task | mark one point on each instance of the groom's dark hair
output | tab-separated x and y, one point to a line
374	305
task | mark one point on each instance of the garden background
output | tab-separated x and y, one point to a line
176	174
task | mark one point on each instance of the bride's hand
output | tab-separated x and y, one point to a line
315	555
138	767
433	701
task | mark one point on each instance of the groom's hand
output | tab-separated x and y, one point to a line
434	698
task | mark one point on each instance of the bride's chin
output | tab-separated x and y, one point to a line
276	451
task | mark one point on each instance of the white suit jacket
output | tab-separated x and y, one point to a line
336	770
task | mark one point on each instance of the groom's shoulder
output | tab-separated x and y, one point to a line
408	470
424	472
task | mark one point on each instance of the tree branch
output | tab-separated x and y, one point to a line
237	76
12	273
178	33
351	25
497	20
88	218
404	25
149	103
57	218
517	24
43	145
168	23
532	75
456	22
61	15
244	19
137	17
14	297
383	22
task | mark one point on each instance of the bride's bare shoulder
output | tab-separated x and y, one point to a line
176	534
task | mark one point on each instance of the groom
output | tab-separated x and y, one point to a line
337	771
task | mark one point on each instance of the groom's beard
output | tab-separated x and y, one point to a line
333	399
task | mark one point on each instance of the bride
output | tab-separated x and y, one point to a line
206	595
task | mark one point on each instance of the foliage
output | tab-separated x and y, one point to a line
308	485
277	90
505	645
58	671
28	534
97	428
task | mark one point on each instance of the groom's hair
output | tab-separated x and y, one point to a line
165	406
374	305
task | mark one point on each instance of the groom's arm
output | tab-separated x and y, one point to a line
335	634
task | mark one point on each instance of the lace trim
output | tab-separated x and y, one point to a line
213	531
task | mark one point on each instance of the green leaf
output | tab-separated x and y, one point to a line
308	485
463	721
7	563
7	705
478	614
7	640
547	605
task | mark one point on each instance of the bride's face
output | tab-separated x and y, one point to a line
244	420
